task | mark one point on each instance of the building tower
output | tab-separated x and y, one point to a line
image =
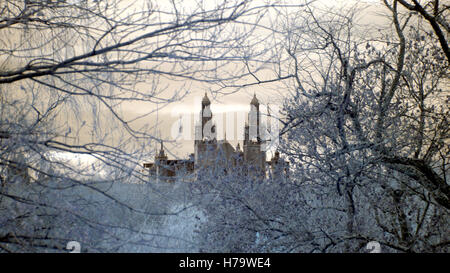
161	163
206	118
205	140
254	117
254	155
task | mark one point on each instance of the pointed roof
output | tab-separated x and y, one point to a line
205	100
161	151
254	100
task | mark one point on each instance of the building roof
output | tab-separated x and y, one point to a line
254	100
205	100
226	148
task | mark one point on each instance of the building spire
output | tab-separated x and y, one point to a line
205	100
161	151
254	100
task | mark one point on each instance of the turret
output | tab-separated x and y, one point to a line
253	119
255	101
161	163
205	101
254	156
161	155
206	116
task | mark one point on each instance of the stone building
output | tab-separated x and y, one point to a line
212	155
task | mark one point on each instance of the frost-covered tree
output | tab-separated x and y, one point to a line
67	69
368	117
366	131
250	214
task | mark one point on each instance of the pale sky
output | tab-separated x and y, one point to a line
268	94
236	102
